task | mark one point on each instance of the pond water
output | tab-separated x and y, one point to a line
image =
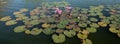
7	36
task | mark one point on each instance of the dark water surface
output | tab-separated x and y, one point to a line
7	36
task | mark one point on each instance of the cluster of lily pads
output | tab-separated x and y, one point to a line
78	22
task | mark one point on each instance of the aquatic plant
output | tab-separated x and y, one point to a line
48	31
34	22
23	10
58	38
82	24
103	24
70	33
5	18
94	25
34	17
45	25
85	32
93	19
87	41
82	36
113	30
60	26
19	29
27	32
59	30
91	29
36	31
76	29
10	22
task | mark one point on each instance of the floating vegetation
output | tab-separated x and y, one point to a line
36	31
70	33
19	29
48	31
71	22
82	36
92	29
45	25
93	19
5	18
82	24
87	41
94	25
11	22
103	24
58	38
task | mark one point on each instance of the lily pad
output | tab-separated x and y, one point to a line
92	30
82	24
113	30
36	31
58	38
11	22
48	31
70	33
5	18
94	25
19	29
87	41
82	36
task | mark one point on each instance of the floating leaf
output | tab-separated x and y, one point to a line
94	25
93	19
87	41
60	26
48	31
59	30
5	18
11	22
103	24
77	29
82	36
36	31
23	10
82	24
45	25
34	22
113	30
27	32
70	33
58	38
92	30
19	29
